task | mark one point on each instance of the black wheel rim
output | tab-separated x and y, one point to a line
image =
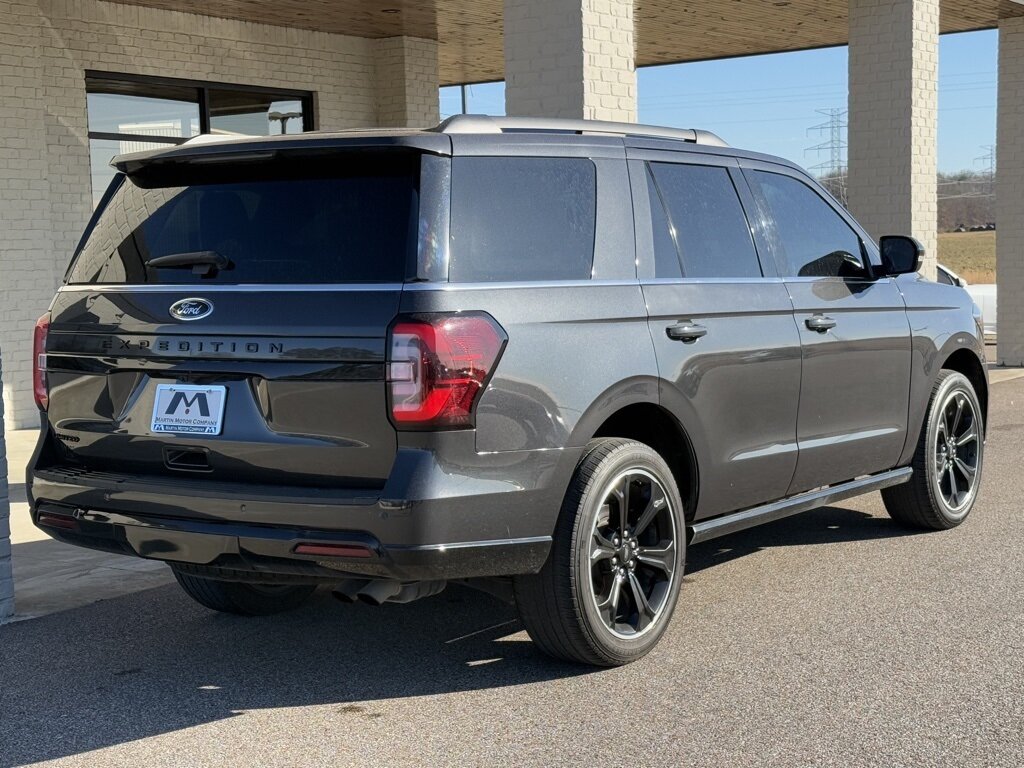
957	452
633	554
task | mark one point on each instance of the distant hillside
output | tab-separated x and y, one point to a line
966	199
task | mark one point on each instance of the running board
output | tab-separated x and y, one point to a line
737	521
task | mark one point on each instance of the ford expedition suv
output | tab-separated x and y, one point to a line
539	357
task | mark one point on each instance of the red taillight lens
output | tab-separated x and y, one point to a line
39	385
438	365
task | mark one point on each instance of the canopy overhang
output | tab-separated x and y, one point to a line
469	32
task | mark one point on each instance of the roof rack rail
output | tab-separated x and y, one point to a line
488	124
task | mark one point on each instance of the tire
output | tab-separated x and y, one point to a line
564	607
243	599
935	497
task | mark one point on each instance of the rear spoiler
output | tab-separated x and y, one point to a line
267	148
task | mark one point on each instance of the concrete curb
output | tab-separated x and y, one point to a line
6	576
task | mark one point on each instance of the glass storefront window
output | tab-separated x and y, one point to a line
143	115
129	113
253	114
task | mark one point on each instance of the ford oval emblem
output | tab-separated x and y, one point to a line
191	309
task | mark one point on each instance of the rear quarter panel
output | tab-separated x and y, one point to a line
573	351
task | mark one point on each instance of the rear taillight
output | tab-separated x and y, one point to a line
39	385
437	367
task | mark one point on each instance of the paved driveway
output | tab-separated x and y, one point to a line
834	638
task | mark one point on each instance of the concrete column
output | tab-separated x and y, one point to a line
6	577
893	115
570	58
1010	193
405	70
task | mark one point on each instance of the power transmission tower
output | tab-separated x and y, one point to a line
832	171
989	161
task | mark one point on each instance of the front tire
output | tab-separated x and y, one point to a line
243	599
607	592
948	460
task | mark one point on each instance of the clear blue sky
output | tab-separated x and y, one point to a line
768	103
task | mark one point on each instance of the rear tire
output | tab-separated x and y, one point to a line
244	599
948	460
609	587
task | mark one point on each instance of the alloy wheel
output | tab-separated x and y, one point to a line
957	452
633	554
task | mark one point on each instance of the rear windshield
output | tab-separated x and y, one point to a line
351	221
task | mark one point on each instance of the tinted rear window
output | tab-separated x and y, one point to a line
337	222
522	218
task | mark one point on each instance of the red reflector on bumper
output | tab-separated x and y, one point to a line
57	521
333	550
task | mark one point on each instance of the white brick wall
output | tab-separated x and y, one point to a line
406	81
1010	193
570	58
45	48
27	266
6	579
893	114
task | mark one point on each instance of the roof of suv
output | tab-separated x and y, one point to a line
438	139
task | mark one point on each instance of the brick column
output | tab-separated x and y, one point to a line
27	267
6	577
893	115
405	70
570	58
1010	193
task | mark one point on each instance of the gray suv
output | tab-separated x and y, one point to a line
537	357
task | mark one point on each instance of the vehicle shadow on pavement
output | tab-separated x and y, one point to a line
153	662
827	525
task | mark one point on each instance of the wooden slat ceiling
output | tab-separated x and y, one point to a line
667	31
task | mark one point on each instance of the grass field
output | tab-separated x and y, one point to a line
972	255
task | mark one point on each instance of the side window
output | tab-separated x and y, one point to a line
705	220
522	218
815	240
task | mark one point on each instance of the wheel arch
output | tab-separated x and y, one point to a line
966	362
650	423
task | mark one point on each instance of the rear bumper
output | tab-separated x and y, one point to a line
431	521
241	552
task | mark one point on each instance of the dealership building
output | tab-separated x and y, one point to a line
82	80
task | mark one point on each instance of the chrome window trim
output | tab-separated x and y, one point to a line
752	280
424	286
240	288
508	285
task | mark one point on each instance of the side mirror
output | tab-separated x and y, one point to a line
901	255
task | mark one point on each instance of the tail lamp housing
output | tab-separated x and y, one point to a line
40	387
438	366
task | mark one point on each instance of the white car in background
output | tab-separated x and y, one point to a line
984	295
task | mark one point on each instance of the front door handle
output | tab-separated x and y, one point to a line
820	323
686	332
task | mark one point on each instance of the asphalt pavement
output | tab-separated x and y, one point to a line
831	638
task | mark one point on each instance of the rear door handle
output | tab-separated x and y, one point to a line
686	331
820	323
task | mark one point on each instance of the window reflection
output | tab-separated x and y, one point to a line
128	113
